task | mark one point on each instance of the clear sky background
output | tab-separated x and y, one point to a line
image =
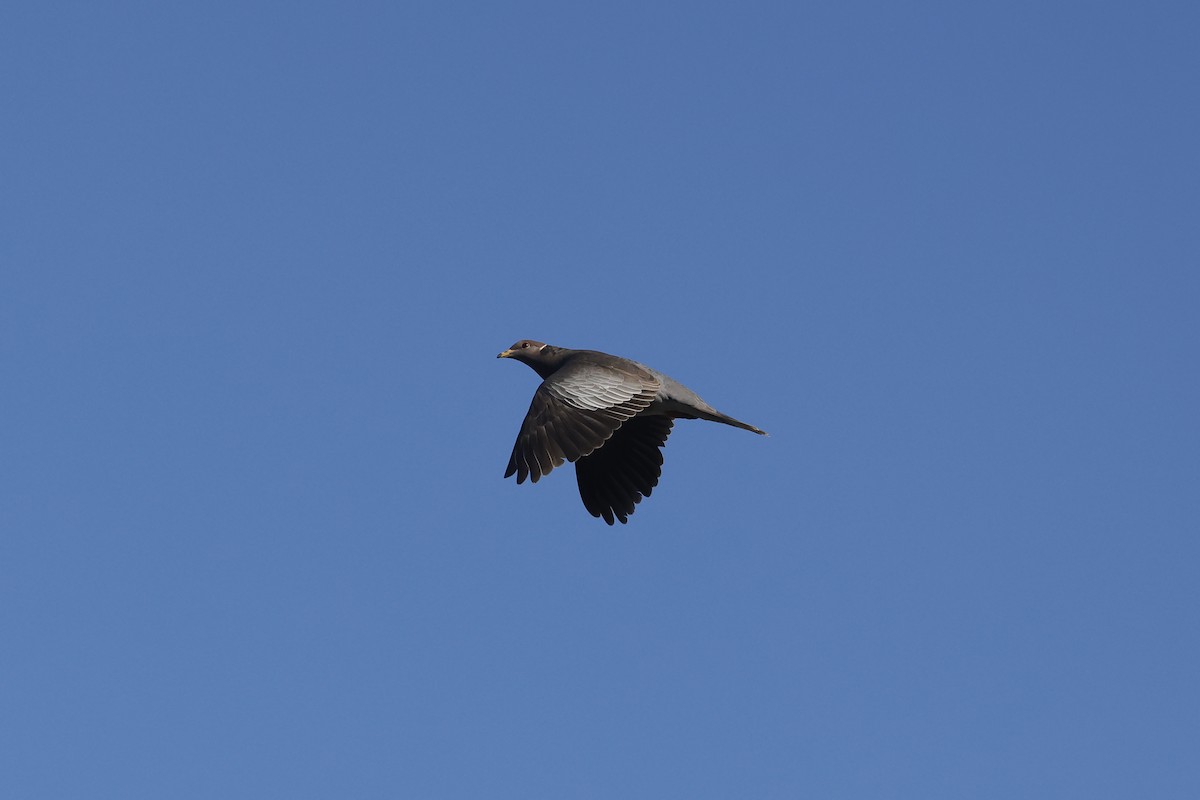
257	259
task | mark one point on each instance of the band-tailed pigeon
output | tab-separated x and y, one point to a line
607	414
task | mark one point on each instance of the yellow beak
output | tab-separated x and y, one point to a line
506	353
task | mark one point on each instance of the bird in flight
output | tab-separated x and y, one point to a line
609	416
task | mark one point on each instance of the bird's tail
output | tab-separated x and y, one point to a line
737	423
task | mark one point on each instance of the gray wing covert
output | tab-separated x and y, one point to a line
574	412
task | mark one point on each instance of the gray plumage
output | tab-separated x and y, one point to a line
609	416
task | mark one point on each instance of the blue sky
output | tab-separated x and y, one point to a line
256	261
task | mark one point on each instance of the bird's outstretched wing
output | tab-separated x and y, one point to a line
575	411
615	478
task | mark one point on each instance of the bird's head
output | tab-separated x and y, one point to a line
525	350
522	349
542	357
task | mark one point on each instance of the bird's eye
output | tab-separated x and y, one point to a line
524	344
